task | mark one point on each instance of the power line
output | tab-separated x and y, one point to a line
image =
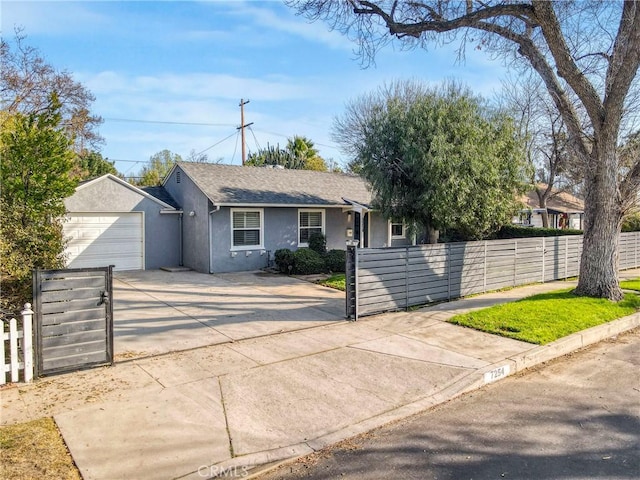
235	148
291	136
127	161
131	120
215	144
254	138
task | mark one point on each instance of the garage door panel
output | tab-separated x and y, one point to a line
112	248
109	234
100	239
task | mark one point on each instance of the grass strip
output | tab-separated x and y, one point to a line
336	281
35	450
543	318
633	284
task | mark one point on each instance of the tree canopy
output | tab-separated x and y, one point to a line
587	54
37	164
157	168
91	164
435	157
27	82
299	154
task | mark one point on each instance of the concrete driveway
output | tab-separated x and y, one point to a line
158	312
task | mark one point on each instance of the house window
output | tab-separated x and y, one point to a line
246	229
397	229
309	222
178	176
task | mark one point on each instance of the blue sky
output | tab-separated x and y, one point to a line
191	62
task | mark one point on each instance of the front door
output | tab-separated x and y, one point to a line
361	229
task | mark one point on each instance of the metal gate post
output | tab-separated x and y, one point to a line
351	280
108	300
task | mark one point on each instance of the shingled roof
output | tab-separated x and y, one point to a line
237	185
562	202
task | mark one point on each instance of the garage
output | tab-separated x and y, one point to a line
101	239
111	222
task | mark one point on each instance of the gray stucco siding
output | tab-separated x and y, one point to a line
195	221
161	231
279	230
378	230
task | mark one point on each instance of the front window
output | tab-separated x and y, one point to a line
309	222
397	229
246	229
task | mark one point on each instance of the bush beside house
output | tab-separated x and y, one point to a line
312	260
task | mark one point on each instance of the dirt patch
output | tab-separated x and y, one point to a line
35	450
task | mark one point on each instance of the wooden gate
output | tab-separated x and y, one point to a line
74	319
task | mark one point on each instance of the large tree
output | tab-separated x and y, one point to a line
587	54
435	157
27	82
36	176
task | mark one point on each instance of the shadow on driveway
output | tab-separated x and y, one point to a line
158	312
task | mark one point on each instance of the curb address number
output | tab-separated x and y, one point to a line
496	374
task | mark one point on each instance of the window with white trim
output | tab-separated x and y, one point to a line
246	229
398	229
309	222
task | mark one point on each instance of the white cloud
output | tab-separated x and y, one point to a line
51	18
282	19
198	85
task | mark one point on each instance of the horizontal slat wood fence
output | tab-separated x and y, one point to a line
397	278
74	319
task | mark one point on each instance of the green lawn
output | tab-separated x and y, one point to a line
631	284
543	318
336	281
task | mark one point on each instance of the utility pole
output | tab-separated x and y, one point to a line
241	128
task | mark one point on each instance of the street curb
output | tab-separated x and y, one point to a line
267	460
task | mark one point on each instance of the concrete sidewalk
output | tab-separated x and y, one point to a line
224	409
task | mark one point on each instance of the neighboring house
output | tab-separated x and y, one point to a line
564	210
235	218
110	222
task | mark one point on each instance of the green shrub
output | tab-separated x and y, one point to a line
335	260
515	231
307	262
631	223
284	259
318	243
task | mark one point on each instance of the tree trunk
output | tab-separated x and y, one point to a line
545	219
542	202
602	223
432	235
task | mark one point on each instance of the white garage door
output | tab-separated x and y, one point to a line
101	239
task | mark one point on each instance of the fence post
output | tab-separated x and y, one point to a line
351	278
543	255
27	341
406	278
515	263
566	257
13	348
448	257
484	273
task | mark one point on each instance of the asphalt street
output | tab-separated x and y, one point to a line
577	417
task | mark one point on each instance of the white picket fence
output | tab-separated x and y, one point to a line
19	353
